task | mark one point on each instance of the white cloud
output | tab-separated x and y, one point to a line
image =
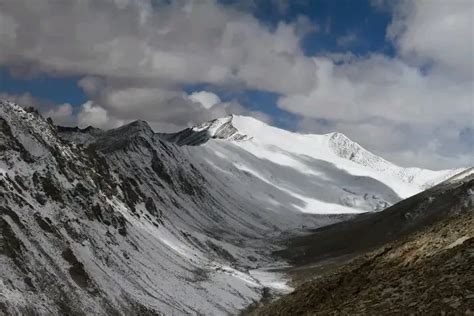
61	115
414	108
177	43
378	86
136	55
93	115
91	85
205	98
346	39
166	110
437	32
304	26
391	107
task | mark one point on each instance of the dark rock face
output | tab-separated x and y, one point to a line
76	270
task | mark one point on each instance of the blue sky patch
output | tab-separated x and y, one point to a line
55	89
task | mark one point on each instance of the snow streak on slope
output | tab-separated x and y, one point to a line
323	173
458	177
124	223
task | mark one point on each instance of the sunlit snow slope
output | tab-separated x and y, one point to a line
319	173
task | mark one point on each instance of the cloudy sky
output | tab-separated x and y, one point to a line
397	77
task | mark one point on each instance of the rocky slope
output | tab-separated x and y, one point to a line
124	223
418	259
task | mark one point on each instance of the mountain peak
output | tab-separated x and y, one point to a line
125	135
139	126
346	148
338	136
212	126
135	128
219	128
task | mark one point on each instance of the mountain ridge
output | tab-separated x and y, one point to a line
341	145
126	227
297	152
334	147
124	221
222	128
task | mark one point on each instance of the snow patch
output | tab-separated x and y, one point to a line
458	242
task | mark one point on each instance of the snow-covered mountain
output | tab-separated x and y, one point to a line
127	222
327	173
122	222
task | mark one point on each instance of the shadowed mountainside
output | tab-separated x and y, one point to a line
415	257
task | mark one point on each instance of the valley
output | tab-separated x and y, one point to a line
236	157
130	221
